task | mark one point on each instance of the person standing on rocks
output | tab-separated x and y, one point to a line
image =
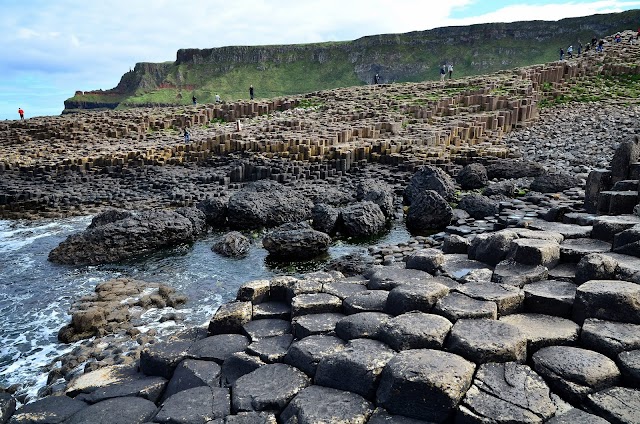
600	47
443	72
194	100
450	70
21	113
570	52
561	53
376	79
251	92
218	98
579	47
187	135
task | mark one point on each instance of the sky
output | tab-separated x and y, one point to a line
51	48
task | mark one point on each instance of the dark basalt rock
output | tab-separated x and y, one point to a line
415	330
305	354
473	176
237	365
135	234
215	210
232	244
377	192
122	410
507	169
192	373
267	204
196	405
554	183
429	178
361	325
325	218
218	348
363	219
317	404
296	241
52	409
428	212
619	405
478	206
485	340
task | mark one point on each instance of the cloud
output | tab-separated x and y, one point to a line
70	45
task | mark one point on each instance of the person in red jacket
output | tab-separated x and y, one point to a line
21	112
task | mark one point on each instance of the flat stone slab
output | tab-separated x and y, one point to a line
271	349
516	274
272	310
308	325
568	231
386	278
573	373
414	297
619	405
237	365
458	266
315	303
485	340
544	330
342	289
415	330
218	348
52	409
161	359
248	418
611	300
550	297
575	415
230	317
508	392
509	299
192	373
256	291
268	388
305	354
608	337
428	260
362	325
381	416
563	272
455	306
535	252
574	249
606	227
261	328
629	364
317	404
200	404
356	368
368	301
628	267
117	410
424	384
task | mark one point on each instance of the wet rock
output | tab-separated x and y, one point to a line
478	206
629	363
429	211
361	325
414	297
484	340
415	330
268	388
363	219
356	368
315	303
594	299
199	404
608	337
52	409
308	325
428	260
512	273
472	176
230	318
509	299
366	301
266	203
544	330
504	393
429	178
619	405
262	328
237	365
115	411
316	404
271	349
305	354
350	265
137	234
218	348
192	373
424	384
232	244
296	241
455	306
325	218
8	407
550	297
574	373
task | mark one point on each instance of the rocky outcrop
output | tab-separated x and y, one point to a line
117	236
296	241
232	244
429	178
429	211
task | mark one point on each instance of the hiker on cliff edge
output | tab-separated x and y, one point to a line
570	52
561	54
21	113
443	72
450	70
251	91
376	79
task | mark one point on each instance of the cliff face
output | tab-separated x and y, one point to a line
293	69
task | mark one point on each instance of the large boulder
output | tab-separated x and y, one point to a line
266	203
113	237
429	178
628	241
491	248
363	219
429	211
325	218
377	192
478	206
554	183
473	176
215	210
296	241
627	153
505	169
232	244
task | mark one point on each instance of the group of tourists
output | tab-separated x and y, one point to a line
596	43
446	69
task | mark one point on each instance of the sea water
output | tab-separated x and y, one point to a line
35	294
